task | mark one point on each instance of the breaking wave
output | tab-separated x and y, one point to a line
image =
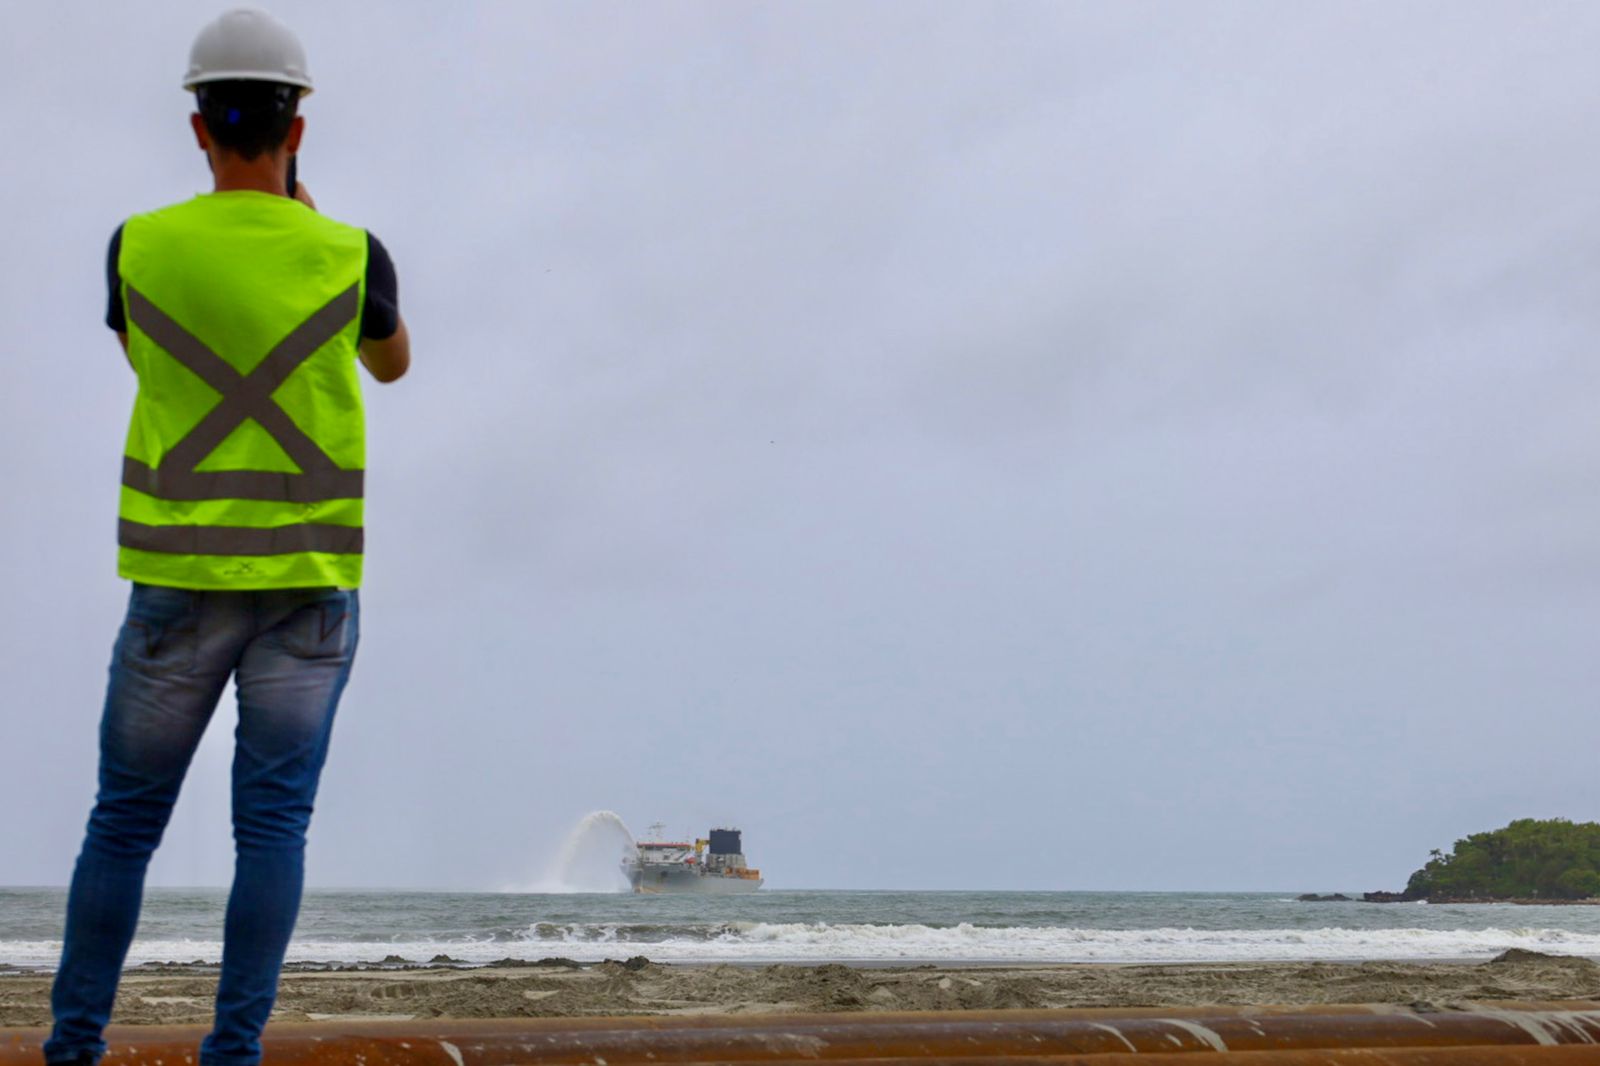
764	942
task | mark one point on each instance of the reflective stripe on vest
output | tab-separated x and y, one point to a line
240	540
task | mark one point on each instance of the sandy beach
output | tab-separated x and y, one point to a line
169	994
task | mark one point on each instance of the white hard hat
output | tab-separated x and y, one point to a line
247	44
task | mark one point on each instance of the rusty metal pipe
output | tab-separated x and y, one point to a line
856	1037
1507	1055
1038	1035
1476	1055
1479	1055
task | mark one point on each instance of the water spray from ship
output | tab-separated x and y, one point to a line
590	856
601	855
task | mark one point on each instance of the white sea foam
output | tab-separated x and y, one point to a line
818	942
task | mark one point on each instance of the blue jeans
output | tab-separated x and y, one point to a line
290	651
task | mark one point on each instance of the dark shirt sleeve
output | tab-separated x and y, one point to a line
380	315
116	314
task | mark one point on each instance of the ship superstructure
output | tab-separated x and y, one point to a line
714	863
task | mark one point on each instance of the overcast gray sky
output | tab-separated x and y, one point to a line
993	445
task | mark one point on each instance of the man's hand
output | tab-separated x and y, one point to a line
387	360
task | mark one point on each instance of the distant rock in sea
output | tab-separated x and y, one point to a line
1313	897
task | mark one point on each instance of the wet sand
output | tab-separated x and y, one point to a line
169	994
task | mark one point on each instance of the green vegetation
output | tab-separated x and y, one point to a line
1529	859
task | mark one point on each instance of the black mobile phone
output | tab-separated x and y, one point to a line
293	169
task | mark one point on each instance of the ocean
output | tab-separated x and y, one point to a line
812	927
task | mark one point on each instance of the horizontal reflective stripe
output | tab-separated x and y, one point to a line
242	484
241	540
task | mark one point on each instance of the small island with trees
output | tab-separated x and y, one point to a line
1532	860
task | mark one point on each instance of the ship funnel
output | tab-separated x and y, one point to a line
726	842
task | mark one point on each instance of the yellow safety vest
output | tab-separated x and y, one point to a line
245	456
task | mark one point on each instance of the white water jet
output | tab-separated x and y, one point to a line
590	859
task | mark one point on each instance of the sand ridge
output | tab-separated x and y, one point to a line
173	994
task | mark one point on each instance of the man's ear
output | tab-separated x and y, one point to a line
202	136
297	129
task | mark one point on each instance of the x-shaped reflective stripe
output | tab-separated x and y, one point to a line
244	396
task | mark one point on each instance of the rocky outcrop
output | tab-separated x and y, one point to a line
1387	897
1524	901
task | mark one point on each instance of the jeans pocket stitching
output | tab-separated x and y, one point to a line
145	641
337	615
325	635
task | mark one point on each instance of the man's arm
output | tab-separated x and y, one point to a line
388	359
116	315
385	344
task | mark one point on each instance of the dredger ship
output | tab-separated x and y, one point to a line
714	863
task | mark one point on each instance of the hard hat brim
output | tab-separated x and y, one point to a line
276	77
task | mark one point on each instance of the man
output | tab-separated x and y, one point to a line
243	313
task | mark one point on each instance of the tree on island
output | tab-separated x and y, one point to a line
1532	858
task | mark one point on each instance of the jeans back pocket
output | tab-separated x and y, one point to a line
326	629
162	630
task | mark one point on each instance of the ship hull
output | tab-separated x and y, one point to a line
678	881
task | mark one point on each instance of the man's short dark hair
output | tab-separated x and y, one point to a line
247	117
